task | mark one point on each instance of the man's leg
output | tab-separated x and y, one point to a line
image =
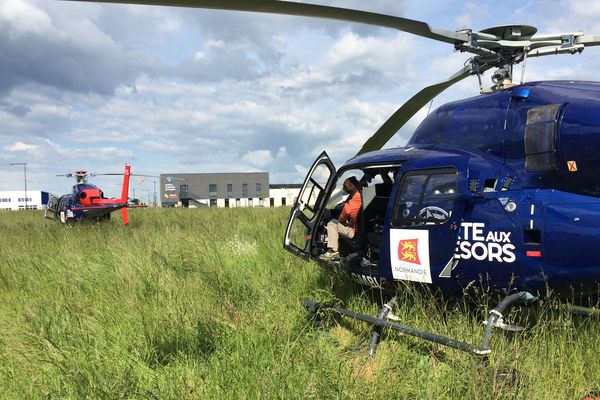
332	234
345	231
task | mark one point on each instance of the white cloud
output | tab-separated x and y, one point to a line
281	152
263	158
24	18
258	158
204	91
20	146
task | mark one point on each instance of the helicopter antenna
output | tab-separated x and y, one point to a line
525	51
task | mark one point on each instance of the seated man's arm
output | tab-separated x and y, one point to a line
351	209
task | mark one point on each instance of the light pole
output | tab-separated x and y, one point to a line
24	164
154	195
149	194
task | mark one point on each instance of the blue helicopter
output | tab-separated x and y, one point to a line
87	201
499	191
496	193
502	185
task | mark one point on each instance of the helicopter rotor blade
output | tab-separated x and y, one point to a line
412	106
588	40
121	174
311	10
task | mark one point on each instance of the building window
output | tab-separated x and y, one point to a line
244	190
184	191
272	202
258	189
230	190
213	202
23	200
283	201
212	190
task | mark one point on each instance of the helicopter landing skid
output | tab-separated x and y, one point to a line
381	322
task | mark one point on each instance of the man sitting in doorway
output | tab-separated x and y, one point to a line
345	225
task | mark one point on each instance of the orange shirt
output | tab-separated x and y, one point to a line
351	210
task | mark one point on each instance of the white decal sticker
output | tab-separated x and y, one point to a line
493	246
409	253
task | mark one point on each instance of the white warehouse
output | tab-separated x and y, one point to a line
16	200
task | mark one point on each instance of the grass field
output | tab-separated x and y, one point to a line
205	304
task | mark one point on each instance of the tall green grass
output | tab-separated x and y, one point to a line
204	304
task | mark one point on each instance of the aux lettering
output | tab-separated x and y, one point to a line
481	245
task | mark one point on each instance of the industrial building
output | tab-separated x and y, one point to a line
17	200
239	189
283	194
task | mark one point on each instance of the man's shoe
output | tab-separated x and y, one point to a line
330	255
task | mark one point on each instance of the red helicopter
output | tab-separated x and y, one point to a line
87	201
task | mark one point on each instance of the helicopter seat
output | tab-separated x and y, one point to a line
369	223
375	217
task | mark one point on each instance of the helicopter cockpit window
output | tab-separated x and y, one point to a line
425	198
540	138
314	190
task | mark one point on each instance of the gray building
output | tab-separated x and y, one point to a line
238	189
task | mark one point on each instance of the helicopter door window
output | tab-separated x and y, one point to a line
425	198
540	138
314	190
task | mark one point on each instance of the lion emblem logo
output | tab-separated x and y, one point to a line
408	251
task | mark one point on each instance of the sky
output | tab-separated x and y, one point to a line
176	90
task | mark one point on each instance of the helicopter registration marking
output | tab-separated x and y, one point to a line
409	253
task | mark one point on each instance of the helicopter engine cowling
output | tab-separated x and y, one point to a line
87	196
547	134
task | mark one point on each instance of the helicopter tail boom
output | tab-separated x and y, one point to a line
125	193
124	215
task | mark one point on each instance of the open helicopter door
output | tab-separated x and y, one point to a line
425	221
308	207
